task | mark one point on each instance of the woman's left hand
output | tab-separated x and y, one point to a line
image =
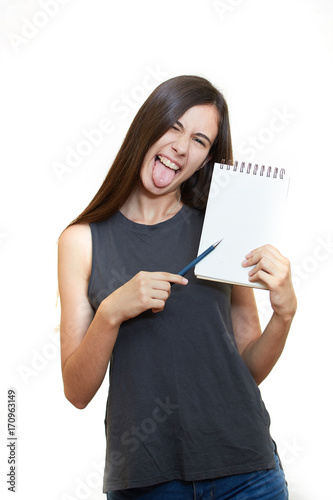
273	269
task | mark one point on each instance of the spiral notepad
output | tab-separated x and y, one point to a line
245	207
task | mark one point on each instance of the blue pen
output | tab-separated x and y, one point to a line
199	258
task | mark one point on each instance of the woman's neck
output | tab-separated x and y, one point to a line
150	210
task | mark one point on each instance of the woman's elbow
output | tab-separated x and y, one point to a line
78	403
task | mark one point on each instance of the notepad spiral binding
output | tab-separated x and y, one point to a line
276	172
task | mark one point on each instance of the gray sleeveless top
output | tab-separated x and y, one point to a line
182	404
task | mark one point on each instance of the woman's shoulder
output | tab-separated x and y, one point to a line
75	245
75	234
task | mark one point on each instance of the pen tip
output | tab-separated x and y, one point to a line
217	243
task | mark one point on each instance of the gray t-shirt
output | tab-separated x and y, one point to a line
182	403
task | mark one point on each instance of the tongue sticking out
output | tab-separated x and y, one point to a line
162	175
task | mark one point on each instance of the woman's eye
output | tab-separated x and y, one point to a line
199	141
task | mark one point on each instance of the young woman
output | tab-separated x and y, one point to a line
184	414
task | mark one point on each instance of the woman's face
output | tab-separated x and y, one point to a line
182	150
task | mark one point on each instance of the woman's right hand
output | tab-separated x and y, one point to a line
146	290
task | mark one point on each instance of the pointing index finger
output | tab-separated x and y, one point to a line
170	277
177	278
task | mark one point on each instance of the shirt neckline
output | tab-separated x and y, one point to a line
146	228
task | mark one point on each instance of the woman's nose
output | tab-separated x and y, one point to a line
180	145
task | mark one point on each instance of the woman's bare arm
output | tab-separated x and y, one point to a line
261	351
87	340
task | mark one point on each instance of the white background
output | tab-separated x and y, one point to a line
66	66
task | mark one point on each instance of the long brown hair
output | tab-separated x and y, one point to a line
168	102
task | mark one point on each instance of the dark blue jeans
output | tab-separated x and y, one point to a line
262	485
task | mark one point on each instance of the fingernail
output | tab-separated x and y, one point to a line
248	255
185	281
244	262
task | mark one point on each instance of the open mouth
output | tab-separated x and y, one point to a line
164	171
167	163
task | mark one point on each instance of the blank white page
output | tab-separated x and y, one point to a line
246	211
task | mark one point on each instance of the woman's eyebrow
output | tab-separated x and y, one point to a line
199	134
